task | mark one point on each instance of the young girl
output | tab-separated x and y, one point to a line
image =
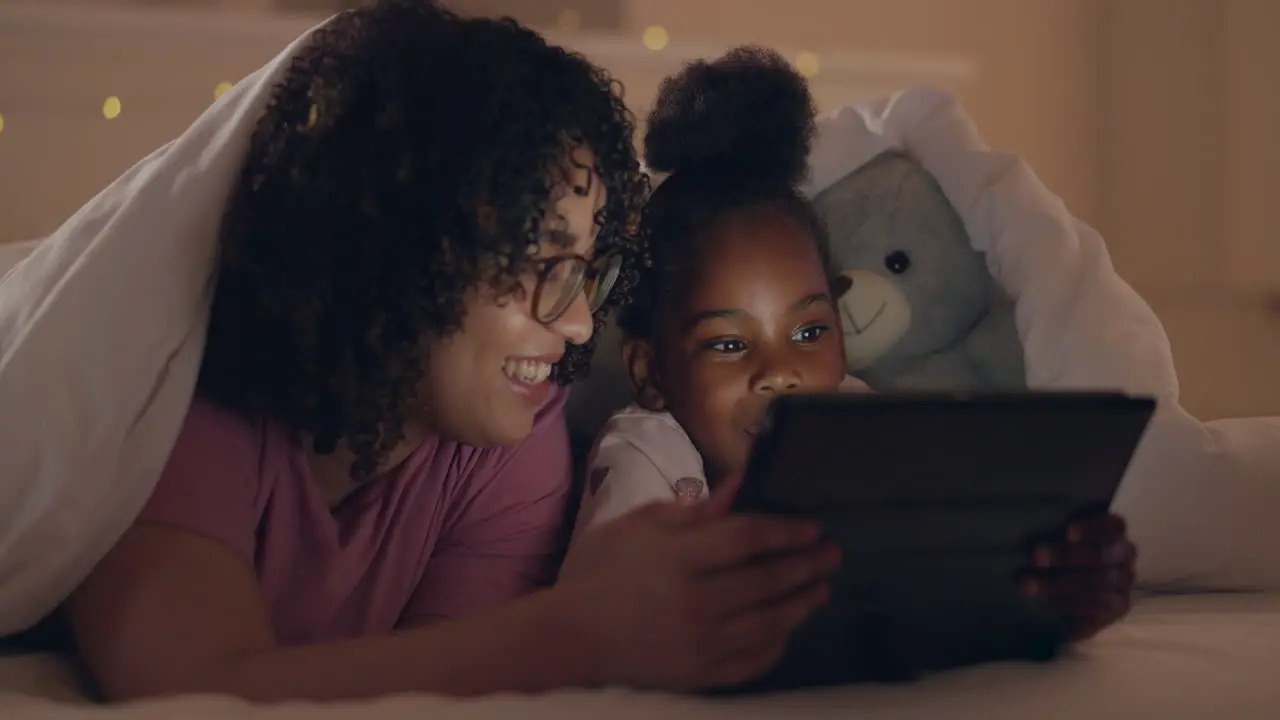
737	307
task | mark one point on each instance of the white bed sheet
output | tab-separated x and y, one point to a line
1213	656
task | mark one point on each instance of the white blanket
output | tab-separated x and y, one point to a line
1175	658
1199	497
101	332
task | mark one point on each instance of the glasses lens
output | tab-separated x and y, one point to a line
604	274
561	283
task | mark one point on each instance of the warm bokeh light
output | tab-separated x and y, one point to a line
111	108
569	20
221	89
1	123
807	64
655	37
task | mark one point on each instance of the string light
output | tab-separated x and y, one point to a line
221	90
655	37
569	20
807	64
111	108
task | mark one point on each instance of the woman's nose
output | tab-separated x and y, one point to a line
575	323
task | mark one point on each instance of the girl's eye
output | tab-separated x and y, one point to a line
730	346
810	334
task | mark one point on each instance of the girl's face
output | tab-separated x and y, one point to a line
484	384
757	320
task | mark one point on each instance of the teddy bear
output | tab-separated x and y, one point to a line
919	309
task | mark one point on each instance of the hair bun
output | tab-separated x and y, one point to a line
747	111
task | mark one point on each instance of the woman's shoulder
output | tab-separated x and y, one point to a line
212	432
212	483
221	447
206	416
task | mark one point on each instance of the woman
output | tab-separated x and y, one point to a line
369	492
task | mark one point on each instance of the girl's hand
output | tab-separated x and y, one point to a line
684	597
1087	574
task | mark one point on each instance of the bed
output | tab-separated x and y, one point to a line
1199	498
1189	656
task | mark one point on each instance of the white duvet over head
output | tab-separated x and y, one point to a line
101	333
102	329
1198	497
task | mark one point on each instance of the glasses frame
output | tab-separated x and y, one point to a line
607	266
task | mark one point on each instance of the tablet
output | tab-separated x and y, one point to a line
935	501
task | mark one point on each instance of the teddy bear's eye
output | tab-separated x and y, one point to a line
897	262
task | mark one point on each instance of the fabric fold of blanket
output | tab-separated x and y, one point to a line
101	334
1198	496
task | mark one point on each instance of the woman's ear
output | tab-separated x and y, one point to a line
638	355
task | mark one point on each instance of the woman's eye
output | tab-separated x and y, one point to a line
810	334
727	347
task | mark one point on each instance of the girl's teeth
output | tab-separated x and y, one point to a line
528	371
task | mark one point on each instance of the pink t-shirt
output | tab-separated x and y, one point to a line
451	530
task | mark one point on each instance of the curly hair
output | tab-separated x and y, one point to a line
406	157
734	134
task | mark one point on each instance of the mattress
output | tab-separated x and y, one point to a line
1197	656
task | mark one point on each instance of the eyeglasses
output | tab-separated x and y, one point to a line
561	278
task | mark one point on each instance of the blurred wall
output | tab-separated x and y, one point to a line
1037	59
60	60
1155	120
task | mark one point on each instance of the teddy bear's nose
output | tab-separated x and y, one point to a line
859	328
874	313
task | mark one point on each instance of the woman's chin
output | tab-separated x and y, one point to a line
509	427
500	425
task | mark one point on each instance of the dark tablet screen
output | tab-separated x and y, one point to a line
935	501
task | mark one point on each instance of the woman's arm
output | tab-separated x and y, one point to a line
671	597
170	612
175	607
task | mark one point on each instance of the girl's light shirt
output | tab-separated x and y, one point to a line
641	457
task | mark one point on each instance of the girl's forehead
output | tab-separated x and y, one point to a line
749	264
769	244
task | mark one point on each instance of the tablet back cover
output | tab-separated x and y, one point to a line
936	502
